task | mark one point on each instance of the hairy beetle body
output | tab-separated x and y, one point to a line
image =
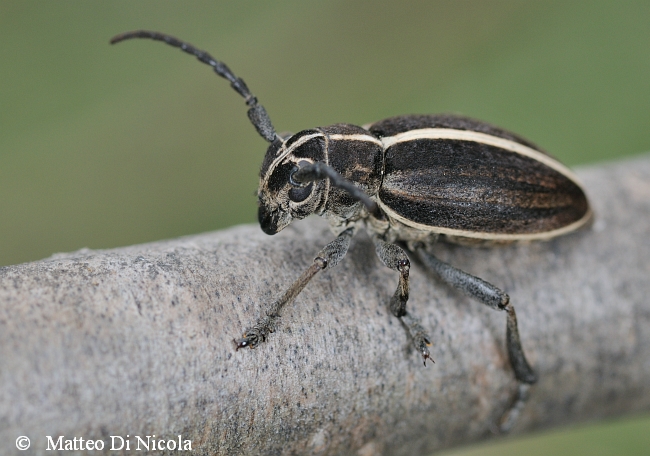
408	180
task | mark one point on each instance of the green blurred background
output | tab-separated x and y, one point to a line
104	146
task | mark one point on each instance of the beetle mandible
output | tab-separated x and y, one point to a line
408	180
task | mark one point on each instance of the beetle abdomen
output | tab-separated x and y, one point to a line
477	185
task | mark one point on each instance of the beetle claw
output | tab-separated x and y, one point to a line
249	340
426	355
422	343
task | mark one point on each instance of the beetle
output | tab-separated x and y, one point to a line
409	181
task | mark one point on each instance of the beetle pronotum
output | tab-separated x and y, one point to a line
408	180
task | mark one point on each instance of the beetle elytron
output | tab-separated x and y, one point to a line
411	180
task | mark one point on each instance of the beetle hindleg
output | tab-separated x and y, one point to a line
491	296
395	258
510	418
495	298
328	257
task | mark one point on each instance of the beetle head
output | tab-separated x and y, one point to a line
280	198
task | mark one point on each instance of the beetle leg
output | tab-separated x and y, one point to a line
510	417
395	258
328	257
495	298
421	339
491	296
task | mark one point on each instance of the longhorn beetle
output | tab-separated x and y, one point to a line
408	180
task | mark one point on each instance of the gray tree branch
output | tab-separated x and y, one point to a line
138	341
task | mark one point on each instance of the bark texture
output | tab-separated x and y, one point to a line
138	341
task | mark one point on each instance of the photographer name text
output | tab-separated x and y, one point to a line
118	443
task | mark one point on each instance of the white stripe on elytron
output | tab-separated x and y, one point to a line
361	137
483	138
487	236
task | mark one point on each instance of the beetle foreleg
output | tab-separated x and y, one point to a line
328	257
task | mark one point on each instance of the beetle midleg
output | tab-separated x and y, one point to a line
421	339
395	258
328	257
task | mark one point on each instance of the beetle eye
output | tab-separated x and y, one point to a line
300	194
300	164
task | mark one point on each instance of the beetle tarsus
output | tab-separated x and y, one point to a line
421	339
509	419
244	342
250	339
424	351
258	333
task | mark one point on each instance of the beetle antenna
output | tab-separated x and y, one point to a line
313	172
256	112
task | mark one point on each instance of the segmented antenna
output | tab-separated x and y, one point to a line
256	112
